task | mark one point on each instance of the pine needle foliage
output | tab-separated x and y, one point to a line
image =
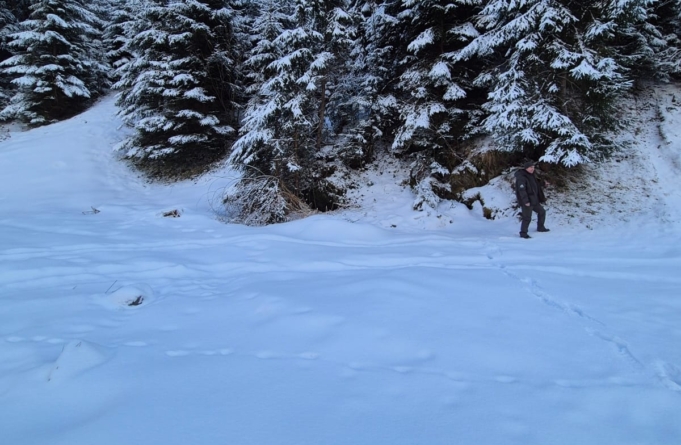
56	64
293	75
177	90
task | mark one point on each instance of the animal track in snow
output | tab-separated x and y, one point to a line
668	374
620	345
535	289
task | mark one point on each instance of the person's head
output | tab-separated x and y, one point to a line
528	165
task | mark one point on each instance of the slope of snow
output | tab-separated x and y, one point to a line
372	326
638	184
637	187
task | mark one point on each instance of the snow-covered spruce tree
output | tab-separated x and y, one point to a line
243	13
55	64
553	78
102	10
367	109
292	74
437	99
650	39
271	21
11	13
115	35
328	71
667	17
7	25
339	81
433	87
258	197
21	9
123	24
638	34
177	91
668	20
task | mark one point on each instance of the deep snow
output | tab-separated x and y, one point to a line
377	325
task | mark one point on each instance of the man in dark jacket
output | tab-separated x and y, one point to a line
530	196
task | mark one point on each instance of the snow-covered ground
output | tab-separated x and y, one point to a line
372	326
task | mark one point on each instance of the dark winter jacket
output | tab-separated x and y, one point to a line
528	188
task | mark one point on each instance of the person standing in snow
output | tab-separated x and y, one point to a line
530	197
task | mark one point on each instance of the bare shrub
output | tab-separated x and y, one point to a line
260	199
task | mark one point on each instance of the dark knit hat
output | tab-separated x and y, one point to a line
528	163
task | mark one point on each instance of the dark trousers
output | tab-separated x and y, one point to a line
527	217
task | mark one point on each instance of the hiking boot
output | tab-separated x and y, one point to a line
542	229
525	235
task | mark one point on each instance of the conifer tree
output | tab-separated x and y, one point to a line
651	39
116	37
370	106
177	91
667	17
437	99
7	21
635	34
102	9
552	75
435	89
7	24
20	9
286	122
122	25
53	65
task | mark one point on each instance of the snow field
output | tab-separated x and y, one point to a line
319	331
